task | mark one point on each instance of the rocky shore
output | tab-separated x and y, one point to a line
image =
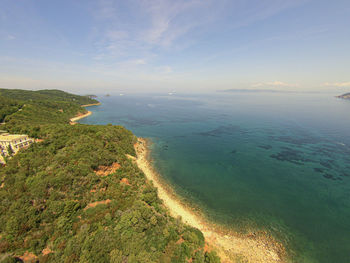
250	248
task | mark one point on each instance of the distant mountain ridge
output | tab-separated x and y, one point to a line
344	96
253	90
46	95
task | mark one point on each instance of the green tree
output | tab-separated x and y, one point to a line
58	201
10	150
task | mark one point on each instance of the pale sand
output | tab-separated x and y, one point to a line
231	247
92	104
75	119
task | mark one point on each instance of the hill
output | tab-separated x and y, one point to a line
76	197
46	95
30	112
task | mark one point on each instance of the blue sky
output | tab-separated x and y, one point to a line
182	45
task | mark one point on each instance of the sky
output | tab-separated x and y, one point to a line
96	46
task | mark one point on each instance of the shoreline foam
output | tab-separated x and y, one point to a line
231	246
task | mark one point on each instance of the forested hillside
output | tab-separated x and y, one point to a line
46	95
34	112
76	197
7	107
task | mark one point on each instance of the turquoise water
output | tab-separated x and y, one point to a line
280	162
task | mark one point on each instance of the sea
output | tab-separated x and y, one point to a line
269	161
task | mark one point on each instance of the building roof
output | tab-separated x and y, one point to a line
11	137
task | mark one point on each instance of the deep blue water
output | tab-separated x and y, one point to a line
279	162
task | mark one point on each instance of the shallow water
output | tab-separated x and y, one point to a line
268	160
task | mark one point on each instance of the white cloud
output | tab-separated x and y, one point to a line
138	62
337	84
98	57
275	84
117	34
105	9
165	70
134	28
133	38
155	23
169	19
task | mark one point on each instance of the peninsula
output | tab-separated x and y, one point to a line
75	196
344	96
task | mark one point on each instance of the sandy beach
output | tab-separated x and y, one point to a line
231	247
92	104
79	117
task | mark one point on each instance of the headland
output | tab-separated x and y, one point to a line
79	117
92	104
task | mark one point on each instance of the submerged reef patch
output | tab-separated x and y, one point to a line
224	130
266	147
318	170
291	155
328	163
332	177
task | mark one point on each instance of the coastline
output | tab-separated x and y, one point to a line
92	104
231	246
79	117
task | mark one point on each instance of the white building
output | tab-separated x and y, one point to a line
14	141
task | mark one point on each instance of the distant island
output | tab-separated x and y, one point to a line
252	90
344	96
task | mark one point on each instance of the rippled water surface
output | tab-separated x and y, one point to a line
275	161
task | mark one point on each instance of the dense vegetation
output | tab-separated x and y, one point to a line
7	107
48	194
45	95
34	112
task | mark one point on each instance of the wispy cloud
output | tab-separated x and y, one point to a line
165	70
159	26
338	84
273	84
204	44
10	37
169	20
117	35
156	24
105	9
248	13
